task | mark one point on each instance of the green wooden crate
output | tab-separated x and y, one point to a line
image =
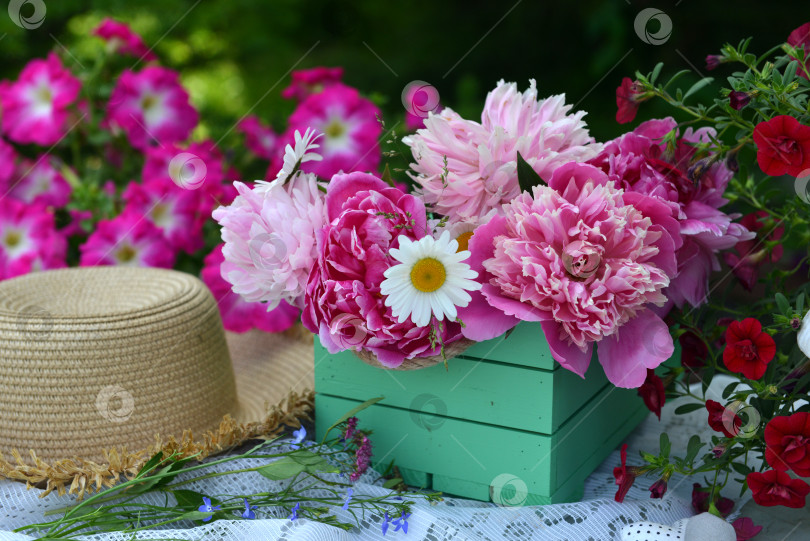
504	422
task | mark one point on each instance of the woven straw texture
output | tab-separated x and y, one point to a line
451	350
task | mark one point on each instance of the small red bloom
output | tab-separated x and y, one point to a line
625	477
787	442
783	146
658	489
700	501
738	100
712	61
748	349
745	528
652	392
693	351
627	95
720	419
774	487
797	38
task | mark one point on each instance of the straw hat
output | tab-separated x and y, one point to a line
102	367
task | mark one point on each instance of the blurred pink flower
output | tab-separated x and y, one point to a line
638	161
39	182
74	228
585	259
343	303
349	126
28	239
260	139
8	160
120	37
270	240
237	314
35	107
151	106
311	81
129	240
482	157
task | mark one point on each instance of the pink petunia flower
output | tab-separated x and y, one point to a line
481	170
129	240
28	239
237	314
120	38
35	107
39	182
8	160
585	259
260	139
349	126
311	81
270	239
151	106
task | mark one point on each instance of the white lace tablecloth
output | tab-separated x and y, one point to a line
596	518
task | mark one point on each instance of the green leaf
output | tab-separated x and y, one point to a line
527	177
150	464
195	515
283	468
676	77
742	469
783	304
666	446
697	86
391	483
688	408
655	72
352	413
800	302
188	499
729	389
386	176
693	448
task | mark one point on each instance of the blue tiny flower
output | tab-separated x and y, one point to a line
206	507
348	499
299	436
295	509
386	522
401	522
248	512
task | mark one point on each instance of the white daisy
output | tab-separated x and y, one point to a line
429	281
294	157
804	335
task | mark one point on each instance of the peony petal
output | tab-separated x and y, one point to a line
568	355
641	343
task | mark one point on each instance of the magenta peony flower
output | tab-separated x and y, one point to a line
269	236
8	160
343	303
237	314
584	258
637	162
151	106
482	158
39	182
260	139
130	240
311	81
349	126
28	239
35	107
120	38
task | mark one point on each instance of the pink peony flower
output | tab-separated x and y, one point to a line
584	258
481	172
8	160
28	239
129	240
120	37
270	244
237	314
35	107
637	161
260	139
311	81
40	182
343	303
349	126
151	106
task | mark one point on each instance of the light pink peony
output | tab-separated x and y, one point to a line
585	259
311	81
482	157
350	130
39	182
120	37
130	240
151	106
343	301
638	161
260	139
36	106
237	314
269	236
29	240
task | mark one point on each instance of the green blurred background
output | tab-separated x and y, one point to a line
234	55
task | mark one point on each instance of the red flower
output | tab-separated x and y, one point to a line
712	61
773	487
693	351
652	392
783	146
738	100
801	36
748	349
658	489
625	477
627	100
745	528
787	442
700	501
720	419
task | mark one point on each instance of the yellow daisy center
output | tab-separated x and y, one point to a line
334	129
126	254
428	275
464	241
